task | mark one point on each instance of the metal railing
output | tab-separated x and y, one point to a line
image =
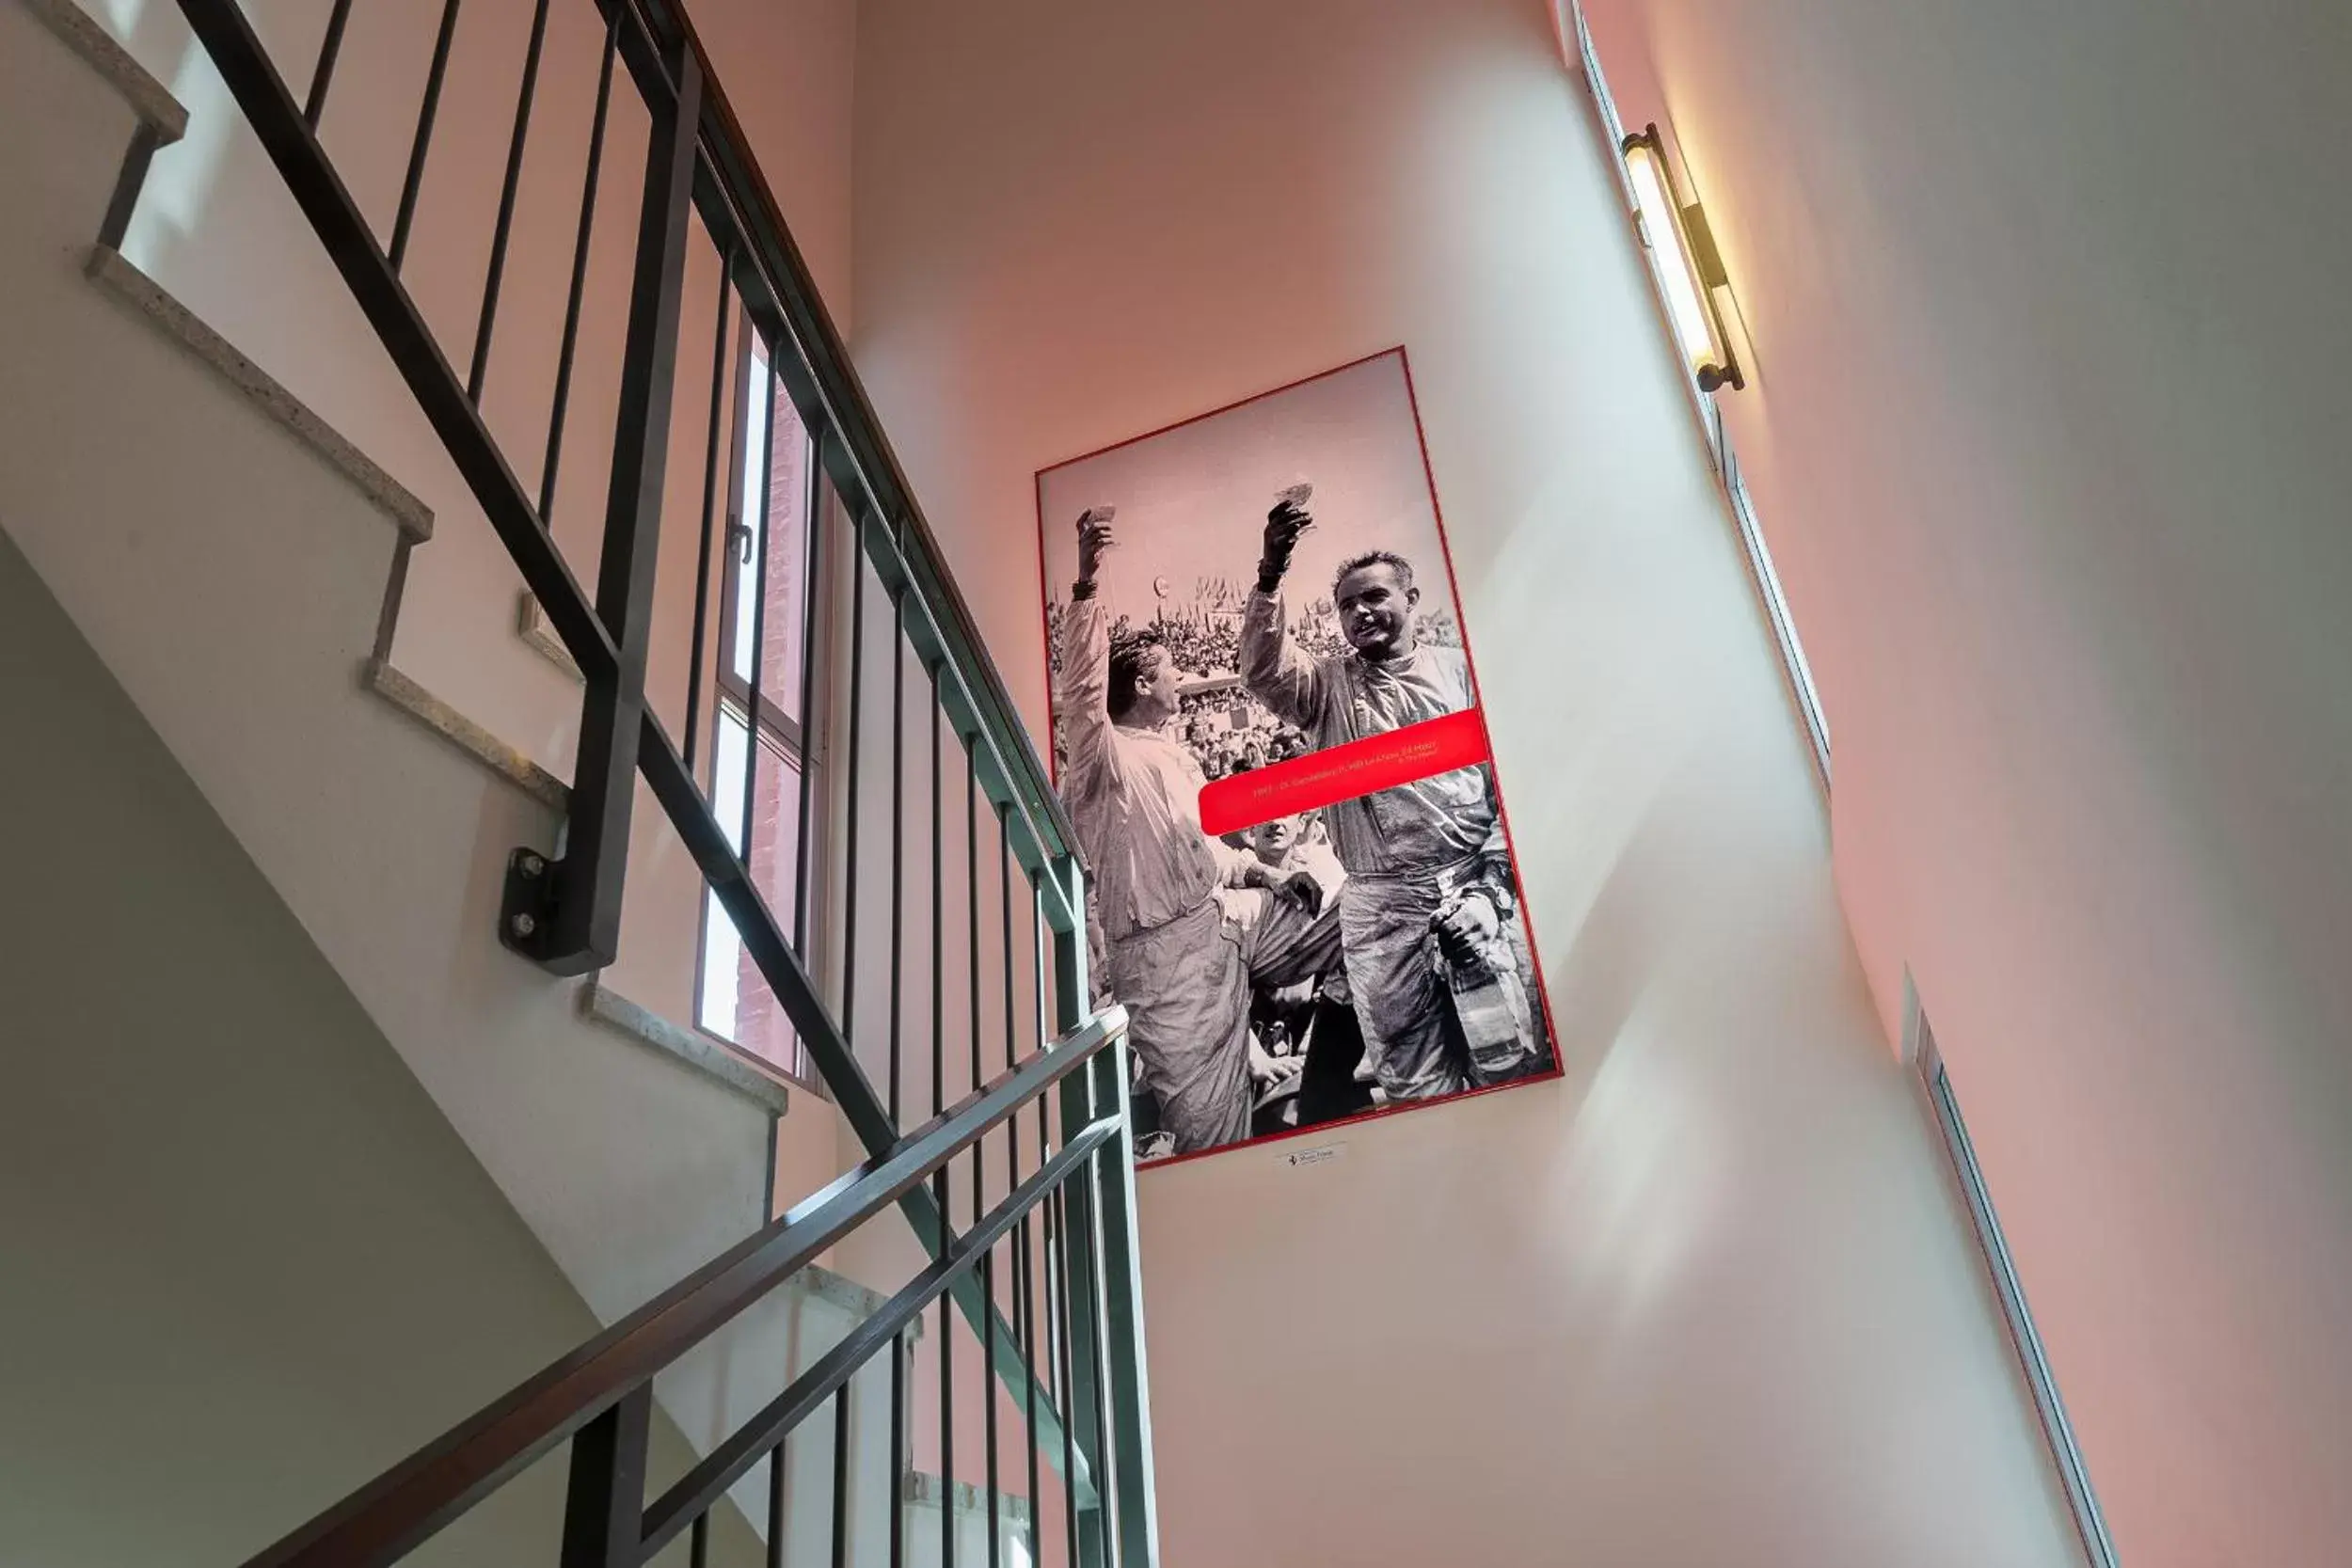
1085	1408
598	1399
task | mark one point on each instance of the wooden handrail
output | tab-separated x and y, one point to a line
701	1487
400	1509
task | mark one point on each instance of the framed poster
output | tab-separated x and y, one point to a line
1266	732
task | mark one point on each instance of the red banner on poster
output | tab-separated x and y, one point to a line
1344	772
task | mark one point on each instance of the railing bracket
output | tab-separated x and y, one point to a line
526	905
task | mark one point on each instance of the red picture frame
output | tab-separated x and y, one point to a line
1427	479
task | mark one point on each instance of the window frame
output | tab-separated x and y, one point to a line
2033	1361
741	544
730	696
1795	668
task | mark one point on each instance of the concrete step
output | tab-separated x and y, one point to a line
230	569
250	1263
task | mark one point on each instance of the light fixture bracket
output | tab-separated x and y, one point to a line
1704	255
1697	259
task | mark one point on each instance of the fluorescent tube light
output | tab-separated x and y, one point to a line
1688	267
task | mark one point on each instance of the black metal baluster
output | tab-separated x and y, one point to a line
988	1389
570	922
698	1541
710	513
939	965
947	1408
988	1257
1083	1409
414	181
506	204
580	274
759	615
898	832
330	47
940	1179
1127	1444
857	704
1005	865
775	1507
1045	1033
841	1477
898	1450
972	928
1106	1460
1058	1309
1055	1324
1025	1258
605	1495
1012	1124
1024	1255
812	565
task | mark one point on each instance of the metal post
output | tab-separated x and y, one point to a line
1107	1211
568	916
899	1392
841	1477
604	1508
1123	1286
1080	1394
775	1506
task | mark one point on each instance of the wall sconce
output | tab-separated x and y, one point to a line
1690	268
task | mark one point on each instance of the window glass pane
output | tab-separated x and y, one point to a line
1776	606
736	1003
760	1028
723	949
743	567
764	602
781	454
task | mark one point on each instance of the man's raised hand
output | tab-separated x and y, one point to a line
1094	538
1283	525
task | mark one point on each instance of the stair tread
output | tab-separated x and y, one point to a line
86	37
115	272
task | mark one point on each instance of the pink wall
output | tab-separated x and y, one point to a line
1709	1299
2036	294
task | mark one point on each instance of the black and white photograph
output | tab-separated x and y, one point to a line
1233	605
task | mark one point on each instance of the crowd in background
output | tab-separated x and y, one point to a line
1229	731
1230	734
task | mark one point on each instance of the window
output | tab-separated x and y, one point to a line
1589	59
1775	604
2030	1357
756	766
1767	581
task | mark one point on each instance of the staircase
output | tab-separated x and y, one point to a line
223	562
